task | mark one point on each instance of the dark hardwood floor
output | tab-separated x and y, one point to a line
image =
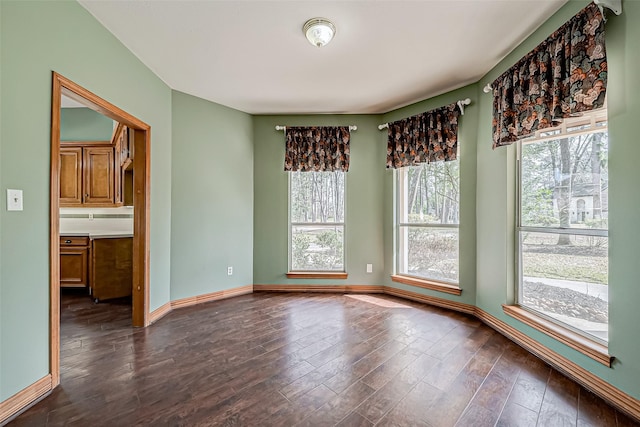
303	360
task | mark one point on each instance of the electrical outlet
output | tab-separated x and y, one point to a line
90	217
369	268
229	271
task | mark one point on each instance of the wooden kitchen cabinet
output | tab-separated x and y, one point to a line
127	186
94	173
88	178
71	176
74	262
123	142
123	149
111	267
98	168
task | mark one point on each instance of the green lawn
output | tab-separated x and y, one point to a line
592	269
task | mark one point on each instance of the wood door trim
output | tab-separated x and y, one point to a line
141	224
93	101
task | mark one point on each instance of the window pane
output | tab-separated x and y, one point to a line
429	193
430	253
317	248
565	182
317	197
566	278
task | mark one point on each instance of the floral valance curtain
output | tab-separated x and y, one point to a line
314	149
424	138
562	77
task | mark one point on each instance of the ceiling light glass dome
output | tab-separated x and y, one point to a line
319	31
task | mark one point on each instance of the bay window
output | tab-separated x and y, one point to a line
427	221
316	221
563	224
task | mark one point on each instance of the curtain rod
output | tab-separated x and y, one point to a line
278	127
461	103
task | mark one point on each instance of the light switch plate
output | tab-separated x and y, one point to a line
369	268
14	200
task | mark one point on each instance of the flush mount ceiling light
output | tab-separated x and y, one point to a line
319	31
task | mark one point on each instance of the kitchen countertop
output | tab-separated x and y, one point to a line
101	234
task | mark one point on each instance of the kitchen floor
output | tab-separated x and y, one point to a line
270	359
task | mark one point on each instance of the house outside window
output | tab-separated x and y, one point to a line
316	221
428	216
562	228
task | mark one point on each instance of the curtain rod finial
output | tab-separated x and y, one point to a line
462	103
614	5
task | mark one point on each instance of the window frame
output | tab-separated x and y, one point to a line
596	120
447	286
316	274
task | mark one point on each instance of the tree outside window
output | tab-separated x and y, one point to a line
428	217
316	210
563	225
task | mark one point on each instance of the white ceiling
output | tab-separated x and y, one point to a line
253	56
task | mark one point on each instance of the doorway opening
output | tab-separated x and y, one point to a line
141	141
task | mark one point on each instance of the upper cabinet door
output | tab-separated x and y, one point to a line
70	176
98	175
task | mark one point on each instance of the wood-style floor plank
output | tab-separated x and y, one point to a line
303	360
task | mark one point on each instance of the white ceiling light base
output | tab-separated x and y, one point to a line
319	31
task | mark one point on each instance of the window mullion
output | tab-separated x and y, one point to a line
428	225
319	224
572	231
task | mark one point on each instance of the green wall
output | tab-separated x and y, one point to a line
36	39
496	200
84	124
203	206
211	197
364	202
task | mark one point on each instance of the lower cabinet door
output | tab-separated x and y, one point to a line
112	268
74	267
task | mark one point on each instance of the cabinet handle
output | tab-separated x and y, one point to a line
67	241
